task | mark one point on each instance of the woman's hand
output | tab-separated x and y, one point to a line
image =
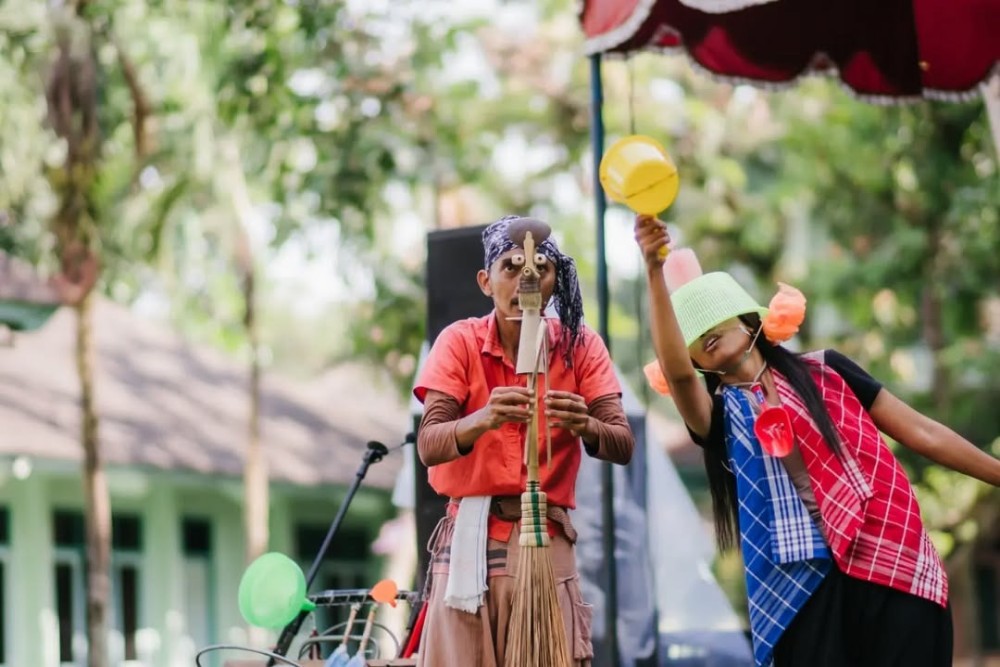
651	235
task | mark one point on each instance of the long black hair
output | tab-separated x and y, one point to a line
721	482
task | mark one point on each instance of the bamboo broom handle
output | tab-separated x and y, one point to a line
531	446
366	635
350	623
532	432
534	513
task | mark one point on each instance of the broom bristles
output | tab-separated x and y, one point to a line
536	636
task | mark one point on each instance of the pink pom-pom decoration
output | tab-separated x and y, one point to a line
786	312
655	378
680	267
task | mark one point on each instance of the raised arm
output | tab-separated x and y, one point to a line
687	389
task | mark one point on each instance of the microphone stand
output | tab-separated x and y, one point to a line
376	452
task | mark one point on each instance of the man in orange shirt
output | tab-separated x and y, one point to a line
476	408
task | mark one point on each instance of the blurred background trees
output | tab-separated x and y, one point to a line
266	171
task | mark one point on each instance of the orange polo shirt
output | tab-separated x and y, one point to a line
467	362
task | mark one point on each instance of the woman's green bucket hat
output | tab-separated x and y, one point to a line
709	300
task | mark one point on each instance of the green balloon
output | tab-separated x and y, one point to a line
273	591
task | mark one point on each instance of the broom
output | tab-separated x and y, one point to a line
536	636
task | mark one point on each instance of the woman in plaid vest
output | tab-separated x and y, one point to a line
840	571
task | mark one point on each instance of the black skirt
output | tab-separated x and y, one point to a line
853	623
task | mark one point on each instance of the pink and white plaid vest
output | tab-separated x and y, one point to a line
871	520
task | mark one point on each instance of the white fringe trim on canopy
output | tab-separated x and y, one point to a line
624	32
978	91
722	6
606	42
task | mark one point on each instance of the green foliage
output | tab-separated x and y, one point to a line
329	131
907	198
886	217
25	198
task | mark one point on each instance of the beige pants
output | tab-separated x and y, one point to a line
453	638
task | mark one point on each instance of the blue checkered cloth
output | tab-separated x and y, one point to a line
784	555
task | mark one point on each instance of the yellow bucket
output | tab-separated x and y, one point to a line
636	171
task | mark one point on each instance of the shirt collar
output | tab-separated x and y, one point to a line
491	343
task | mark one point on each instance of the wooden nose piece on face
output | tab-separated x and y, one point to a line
519	229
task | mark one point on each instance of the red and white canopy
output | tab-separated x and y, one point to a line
883	50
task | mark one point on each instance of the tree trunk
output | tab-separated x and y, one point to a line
255	475
931	314
932	318
961	565
255	485
97	503
991	96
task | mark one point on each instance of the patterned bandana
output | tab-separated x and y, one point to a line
566	297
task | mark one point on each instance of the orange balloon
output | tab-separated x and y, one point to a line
385	591
654	375
785	313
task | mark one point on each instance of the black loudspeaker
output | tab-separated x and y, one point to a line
454	256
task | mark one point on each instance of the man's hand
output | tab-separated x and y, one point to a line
506	405
567	410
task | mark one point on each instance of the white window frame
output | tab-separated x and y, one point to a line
74	557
